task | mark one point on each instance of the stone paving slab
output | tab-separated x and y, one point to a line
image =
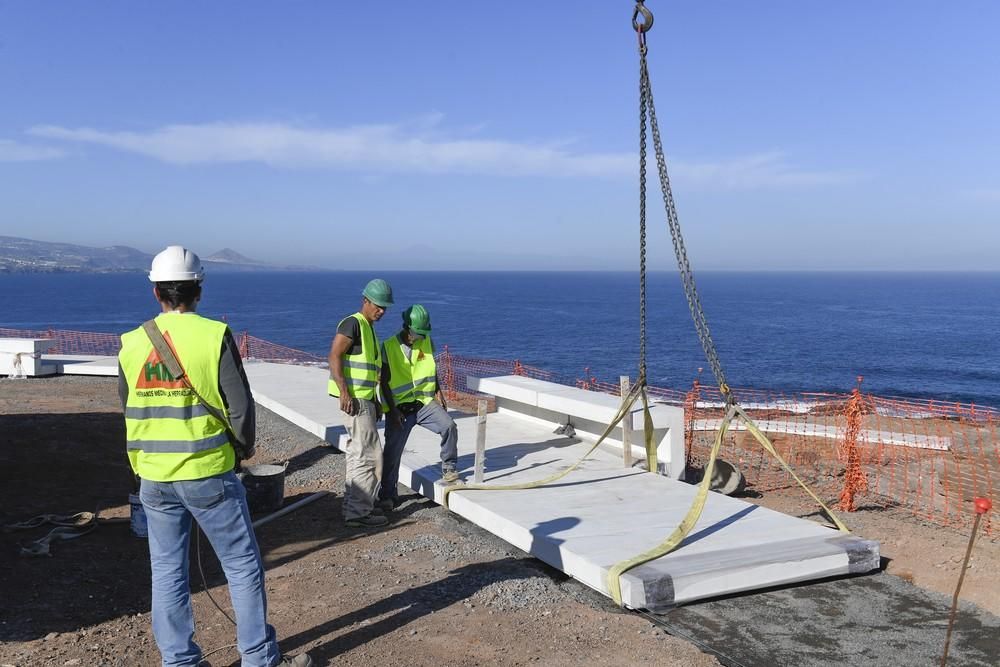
600	513
83	364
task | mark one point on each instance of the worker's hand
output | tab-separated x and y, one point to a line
347	404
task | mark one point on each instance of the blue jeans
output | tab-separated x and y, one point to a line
432	417
219	506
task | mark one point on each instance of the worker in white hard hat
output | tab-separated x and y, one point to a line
184	437
355	368
413	397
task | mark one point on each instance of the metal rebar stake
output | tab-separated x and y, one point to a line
480	442
983	506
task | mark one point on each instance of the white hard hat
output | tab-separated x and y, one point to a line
176	263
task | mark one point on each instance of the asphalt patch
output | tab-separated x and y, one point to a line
867	620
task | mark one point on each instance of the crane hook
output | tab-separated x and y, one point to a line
647	18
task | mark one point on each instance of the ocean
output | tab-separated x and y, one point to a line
919	335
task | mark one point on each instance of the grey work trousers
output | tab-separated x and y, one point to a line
432	417
363	456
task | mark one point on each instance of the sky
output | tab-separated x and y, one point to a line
504	135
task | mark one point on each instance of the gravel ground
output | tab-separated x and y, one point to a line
314	464
428	589
835	619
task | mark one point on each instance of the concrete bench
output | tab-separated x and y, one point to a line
22	357
589	413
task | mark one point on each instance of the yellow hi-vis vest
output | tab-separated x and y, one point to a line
411	379
361	371
171	436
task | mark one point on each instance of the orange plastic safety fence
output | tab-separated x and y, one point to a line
925	458
259	349
108	344
71	342
855	481
457	369
447	373
928	458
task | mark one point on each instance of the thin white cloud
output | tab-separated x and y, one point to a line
373	147
754	172
421	146
12	151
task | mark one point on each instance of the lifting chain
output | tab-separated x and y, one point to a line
648	111
642	209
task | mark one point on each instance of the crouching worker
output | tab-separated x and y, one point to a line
410	386
184	432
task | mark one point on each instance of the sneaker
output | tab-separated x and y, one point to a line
369	521
377	511
386	505
301	660
450	476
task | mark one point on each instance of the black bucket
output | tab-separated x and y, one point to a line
265	485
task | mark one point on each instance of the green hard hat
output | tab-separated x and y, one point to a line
378	292
417	319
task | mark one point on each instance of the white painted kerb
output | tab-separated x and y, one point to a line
590	412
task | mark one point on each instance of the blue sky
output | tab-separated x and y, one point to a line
503	135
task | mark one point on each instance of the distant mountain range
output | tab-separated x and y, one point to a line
19	255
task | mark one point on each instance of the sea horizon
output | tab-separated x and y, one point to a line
919	334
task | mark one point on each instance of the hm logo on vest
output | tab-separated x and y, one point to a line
154	373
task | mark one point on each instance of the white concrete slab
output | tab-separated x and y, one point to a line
83	364
515	387
590	412
937	442
22	357
600	513
297	393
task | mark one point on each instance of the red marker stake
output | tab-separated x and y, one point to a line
983	506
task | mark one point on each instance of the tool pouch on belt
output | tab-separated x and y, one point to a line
174	366
410	408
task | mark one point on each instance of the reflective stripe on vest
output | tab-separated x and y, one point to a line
170	435
412	379
167	412
179	446
361	370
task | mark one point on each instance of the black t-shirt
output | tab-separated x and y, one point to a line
351	328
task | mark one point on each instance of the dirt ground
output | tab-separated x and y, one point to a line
429	589
921	553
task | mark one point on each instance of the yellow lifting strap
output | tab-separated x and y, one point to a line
694	513
638	389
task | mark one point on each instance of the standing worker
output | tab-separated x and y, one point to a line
410	385
355	368
184	451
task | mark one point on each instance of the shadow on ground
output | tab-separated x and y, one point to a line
68	463
399	609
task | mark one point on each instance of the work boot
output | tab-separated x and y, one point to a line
301	660
368	521
386	505
449	475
